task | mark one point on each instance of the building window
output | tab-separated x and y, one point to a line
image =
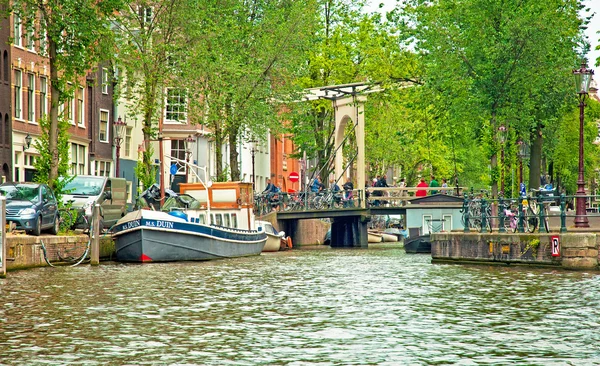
29	37
17	30
103	126
102	168
80	107
127	142
43	97
77	159
178	151
176	106
18	95
104	81
145	14
43	39
31	97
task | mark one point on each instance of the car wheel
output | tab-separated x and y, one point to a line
37	229
56	227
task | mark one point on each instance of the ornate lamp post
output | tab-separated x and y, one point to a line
521	155
583	77
502	139
189	144
27	142
119	131
253	151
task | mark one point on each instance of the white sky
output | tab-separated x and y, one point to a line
591	32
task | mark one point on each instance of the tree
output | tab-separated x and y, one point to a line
480	58
246	56
77	35
152	41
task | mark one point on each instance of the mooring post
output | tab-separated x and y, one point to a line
95	233
3	238
563	214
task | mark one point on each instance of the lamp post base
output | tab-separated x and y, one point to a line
581	220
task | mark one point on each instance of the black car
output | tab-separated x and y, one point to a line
32	206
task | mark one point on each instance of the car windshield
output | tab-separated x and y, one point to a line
21	192
86	186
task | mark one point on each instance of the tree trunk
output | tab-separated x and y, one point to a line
232	134
535	159
54	103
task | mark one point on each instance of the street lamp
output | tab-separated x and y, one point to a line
502	139
583	77
27	142
253	151
521	155
189	143
119	131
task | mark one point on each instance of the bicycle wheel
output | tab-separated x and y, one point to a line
532	220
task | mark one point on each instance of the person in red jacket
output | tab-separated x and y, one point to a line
421	192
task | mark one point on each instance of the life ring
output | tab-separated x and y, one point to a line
289	242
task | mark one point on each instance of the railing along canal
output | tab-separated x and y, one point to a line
538	211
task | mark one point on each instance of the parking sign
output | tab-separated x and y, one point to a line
555	244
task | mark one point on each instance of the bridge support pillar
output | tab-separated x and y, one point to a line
349	232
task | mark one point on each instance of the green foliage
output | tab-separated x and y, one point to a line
45	160
146	173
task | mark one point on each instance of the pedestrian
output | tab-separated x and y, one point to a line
270	187
316	186
433	183
403	193
444	185
349	196
421	192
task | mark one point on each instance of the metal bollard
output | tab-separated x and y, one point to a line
541	215
466	213
563	214
484	218
520	227
501	228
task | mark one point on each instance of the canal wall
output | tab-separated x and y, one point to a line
578	251
27	251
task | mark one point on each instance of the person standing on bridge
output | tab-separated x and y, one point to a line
348	194
316	185
433	183
421	192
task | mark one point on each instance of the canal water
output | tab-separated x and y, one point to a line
304	307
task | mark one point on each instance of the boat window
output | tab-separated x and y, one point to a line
234	221
202	219
212	219
227	220
447	223
219	218
426	224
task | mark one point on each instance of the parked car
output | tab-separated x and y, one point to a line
84	191
31	206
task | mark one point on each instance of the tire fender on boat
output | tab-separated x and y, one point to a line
289	242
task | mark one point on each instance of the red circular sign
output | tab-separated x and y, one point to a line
294	177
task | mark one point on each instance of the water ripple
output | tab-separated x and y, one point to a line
350	307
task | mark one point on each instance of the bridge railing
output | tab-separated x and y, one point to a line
396	196
265	203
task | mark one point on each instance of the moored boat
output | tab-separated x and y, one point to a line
274	238
208	223
374	237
